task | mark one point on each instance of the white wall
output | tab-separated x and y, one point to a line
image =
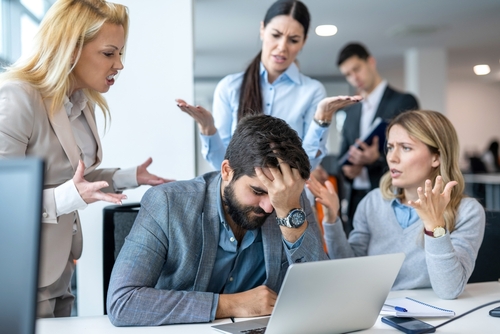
145	120
474	109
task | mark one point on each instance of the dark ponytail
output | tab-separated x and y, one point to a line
250	92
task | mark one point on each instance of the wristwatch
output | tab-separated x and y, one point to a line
322	123
294	219
437	232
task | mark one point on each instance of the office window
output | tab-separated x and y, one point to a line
29	27
35	7
19	21
2	38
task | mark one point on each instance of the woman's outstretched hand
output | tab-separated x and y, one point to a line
432	202
329	105
146	178
91	192
326	195
201	115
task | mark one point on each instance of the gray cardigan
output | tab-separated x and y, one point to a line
445	263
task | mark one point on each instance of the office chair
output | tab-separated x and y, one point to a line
487	266
117	222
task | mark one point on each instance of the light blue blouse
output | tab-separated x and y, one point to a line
405	215
292	97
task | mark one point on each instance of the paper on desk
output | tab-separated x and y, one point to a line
415	308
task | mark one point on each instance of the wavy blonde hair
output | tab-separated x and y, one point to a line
436	131
65	29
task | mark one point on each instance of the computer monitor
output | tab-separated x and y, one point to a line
21	187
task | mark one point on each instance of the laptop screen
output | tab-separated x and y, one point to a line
21	187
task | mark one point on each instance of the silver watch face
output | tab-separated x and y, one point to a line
294	219
297	217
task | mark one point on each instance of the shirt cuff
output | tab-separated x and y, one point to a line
294	245
125	178
68	199
207	142
215	303
314	140
213	149
331	229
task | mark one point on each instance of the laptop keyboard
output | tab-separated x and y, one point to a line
254	331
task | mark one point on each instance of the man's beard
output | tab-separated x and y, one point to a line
241	214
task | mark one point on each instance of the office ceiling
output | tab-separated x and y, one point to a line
227	33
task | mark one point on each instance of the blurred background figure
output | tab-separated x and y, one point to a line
490	158
368	164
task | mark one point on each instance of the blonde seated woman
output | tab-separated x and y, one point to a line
419	209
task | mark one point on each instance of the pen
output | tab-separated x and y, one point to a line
232	319
397	308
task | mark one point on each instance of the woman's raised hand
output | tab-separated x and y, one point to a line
326	195
432	202
146	178
329	105
91	192
201	115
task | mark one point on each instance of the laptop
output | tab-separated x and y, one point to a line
21	186
331	296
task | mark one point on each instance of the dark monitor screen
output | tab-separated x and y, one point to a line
21	187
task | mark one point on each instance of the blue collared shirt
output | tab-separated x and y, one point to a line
238	269
292	97
405	215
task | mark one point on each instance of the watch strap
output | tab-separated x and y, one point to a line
433	232
322	123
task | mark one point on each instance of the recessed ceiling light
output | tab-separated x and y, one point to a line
481	69
326	30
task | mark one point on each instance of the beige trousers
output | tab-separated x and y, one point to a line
56	300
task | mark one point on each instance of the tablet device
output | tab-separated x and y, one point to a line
376	129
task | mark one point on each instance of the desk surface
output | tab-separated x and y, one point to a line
474	295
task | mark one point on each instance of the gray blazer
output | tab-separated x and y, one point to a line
391	104
163	270
27	130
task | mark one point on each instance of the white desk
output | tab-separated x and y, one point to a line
474	295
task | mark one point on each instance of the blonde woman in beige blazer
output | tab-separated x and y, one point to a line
47	103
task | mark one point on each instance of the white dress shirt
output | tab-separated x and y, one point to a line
292	97
369	107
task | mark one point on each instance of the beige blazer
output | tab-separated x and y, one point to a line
26	130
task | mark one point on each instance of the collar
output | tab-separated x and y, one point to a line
220	208
373	99
75	104
292	73
396	202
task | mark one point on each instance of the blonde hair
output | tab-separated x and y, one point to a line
65	29
436	131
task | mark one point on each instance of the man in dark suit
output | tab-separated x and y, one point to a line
368	163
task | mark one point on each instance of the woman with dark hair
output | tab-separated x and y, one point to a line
273	85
